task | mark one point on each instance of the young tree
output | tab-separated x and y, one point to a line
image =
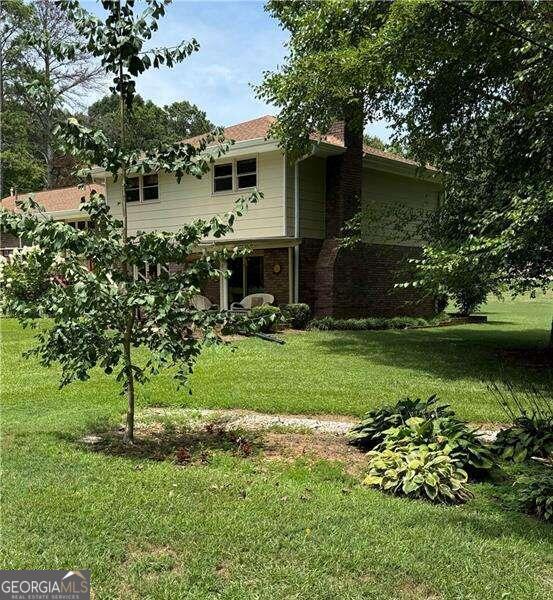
99	316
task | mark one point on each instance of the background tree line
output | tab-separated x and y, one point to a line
33	36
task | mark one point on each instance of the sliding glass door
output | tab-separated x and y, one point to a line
246	277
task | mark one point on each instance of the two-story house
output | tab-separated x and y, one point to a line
293	231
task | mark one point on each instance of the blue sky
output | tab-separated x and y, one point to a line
238	41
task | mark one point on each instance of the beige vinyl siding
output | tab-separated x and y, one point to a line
290	197
312	174
193	198
389	199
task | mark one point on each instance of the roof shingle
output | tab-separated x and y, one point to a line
68	198
259	128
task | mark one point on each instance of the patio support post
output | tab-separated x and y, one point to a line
223	288
291	276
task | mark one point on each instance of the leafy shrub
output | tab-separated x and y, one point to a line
369	323
440	303
455	274
531	415
450	435
426	473
297	315
536	496
266	317
25	274
371	430
527	437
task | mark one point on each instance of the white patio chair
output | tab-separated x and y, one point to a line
252	300
200	302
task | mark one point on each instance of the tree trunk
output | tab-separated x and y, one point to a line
48	149
127	356
127	340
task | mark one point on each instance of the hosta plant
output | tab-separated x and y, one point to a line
527	437
449	434
425	472
536	496
371	430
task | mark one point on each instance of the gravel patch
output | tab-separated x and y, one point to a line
242	419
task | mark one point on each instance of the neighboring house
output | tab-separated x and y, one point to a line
62	204
293	231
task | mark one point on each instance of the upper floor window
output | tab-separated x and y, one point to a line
236	175
142	188
246	173
222	177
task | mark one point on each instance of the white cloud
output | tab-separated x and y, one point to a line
238	41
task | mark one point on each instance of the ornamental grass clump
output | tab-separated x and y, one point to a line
424	473
531	415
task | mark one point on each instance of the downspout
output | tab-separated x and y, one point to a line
297	225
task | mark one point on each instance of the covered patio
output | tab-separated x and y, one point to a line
269	268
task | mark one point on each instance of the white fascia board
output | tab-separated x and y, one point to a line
396	167
246	147
71	213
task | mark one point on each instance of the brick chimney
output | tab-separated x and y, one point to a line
337	130
343	200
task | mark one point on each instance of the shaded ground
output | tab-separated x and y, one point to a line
198	443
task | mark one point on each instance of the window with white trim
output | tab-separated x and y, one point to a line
222	178
246	173
81	225
142	188
234	176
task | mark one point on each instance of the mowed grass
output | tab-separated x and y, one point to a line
322	372
248	528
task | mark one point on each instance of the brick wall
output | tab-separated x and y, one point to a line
211	290
308	254
276	284
343	182
356	282
8	240
364	279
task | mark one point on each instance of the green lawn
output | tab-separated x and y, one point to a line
247	528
